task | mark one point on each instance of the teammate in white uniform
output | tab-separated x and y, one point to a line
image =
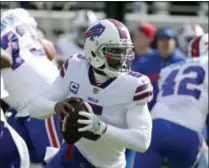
30	71
117	96
180	112
79	23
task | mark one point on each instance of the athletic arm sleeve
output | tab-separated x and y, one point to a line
138	135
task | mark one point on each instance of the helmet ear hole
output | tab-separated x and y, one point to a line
93	54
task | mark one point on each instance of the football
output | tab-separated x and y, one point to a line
69	125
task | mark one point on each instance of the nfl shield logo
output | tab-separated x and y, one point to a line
95	90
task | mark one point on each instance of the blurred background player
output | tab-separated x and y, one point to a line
178	122
186	33
81	20
192	52
30	71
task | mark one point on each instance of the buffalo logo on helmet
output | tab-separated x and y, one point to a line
95	31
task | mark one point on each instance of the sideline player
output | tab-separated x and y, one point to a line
117	96
30	71
180	113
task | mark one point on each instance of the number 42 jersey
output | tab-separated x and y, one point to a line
183	95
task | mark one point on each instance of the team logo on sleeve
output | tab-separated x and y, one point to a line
95	31
74	87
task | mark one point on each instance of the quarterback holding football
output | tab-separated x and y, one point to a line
100	101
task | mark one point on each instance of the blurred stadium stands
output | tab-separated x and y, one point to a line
54	17
192	8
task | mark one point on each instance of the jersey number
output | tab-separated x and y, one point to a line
12	39
182	88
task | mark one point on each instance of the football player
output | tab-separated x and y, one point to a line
81	20
117	96
186	33
29	71
180	112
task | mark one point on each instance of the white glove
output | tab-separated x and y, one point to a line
92	123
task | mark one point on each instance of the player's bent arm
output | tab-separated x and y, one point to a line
43	105
138	135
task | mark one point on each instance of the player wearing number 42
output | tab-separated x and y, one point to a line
120	117
180	113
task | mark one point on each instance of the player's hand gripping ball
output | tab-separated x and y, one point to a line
68	111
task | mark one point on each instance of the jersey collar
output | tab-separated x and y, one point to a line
93	80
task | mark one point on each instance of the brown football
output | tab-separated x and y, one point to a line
69	125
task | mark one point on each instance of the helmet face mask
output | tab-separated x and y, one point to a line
117	58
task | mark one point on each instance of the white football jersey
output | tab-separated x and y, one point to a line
66	49
109	102
183	94
31	69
